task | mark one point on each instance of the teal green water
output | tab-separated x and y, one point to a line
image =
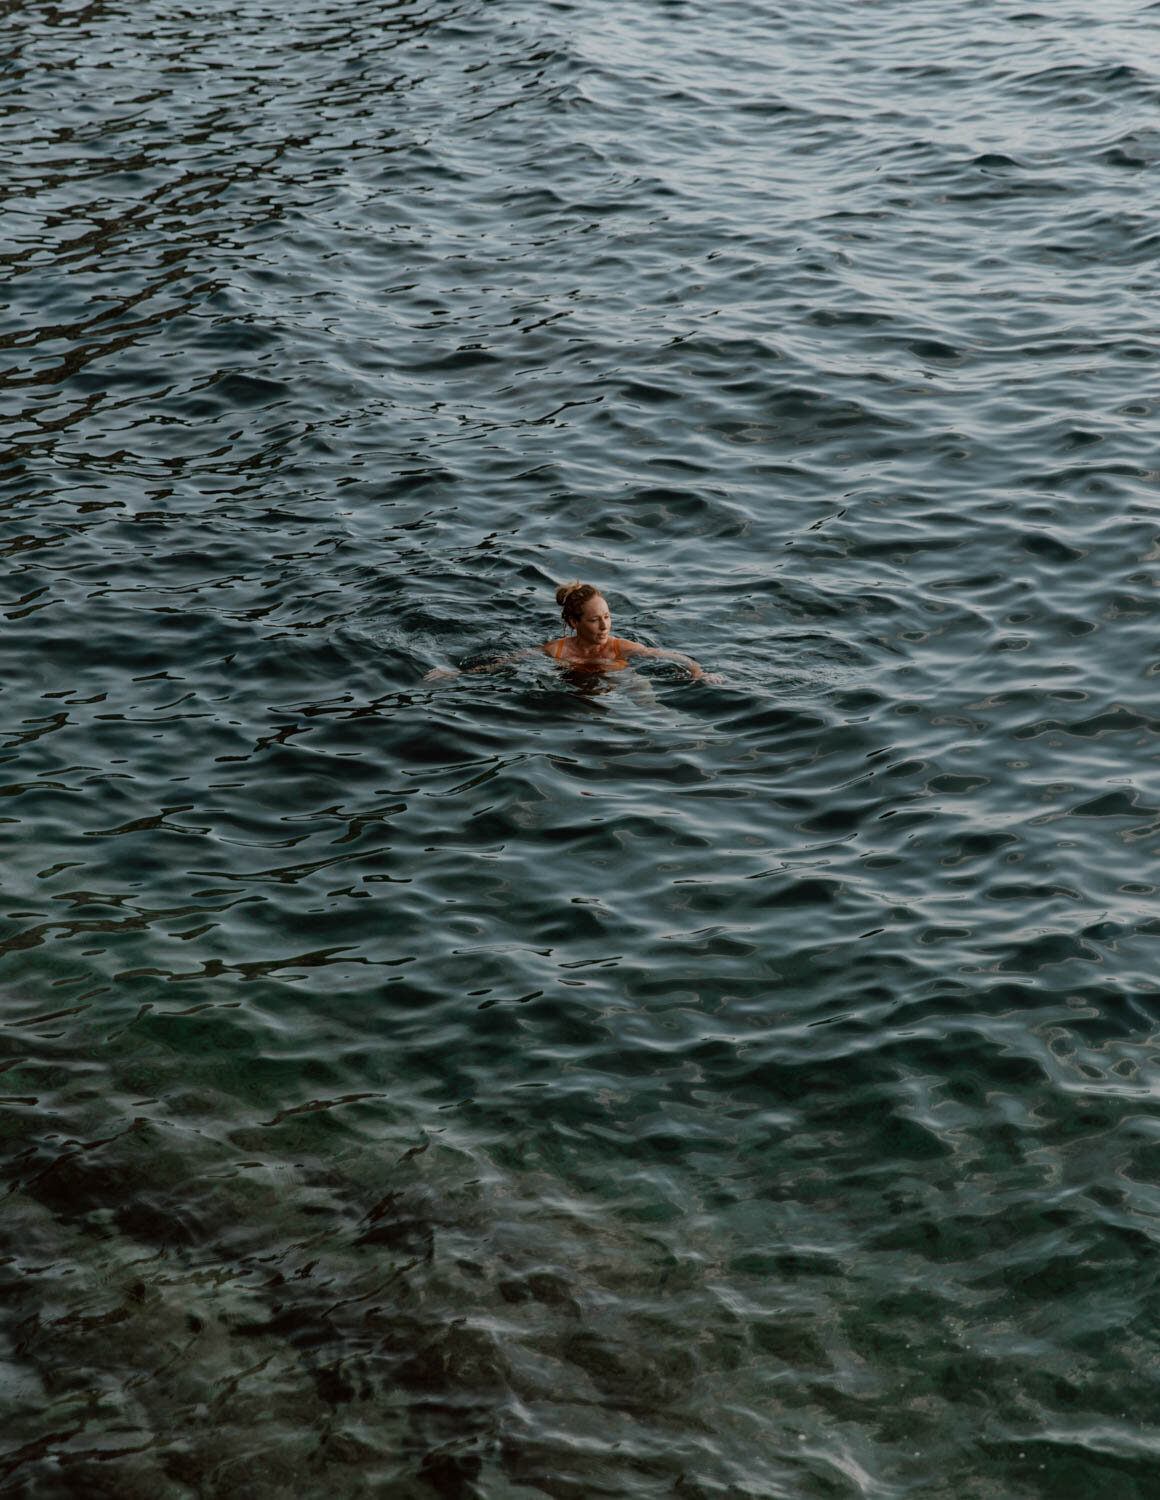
522	1084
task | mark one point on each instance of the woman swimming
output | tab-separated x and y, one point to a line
591	646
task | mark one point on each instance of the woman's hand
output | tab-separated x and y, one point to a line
439	672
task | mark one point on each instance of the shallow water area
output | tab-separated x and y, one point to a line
552	1083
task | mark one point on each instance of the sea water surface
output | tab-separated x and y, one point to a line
529	1084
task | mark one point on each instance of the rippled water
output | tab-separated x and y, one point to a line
525	1085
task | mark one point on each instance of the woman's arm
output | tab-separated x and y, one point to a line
694	668
486	666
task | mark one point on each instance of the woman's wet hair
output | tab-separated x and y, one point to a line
572	597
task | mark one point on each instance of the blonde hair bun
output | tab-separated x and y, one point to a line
572	597
565	589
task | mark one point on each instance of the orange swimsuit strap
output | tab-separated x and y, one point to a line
558	650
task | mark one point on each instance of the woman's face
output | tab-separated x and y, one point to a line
595	623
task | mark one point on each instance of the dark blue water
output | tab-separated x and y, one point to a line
522	1084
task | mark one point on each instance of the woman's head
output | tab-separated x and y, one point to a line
572	597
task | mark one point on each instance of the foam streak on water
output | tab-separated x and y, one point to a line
536	1084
